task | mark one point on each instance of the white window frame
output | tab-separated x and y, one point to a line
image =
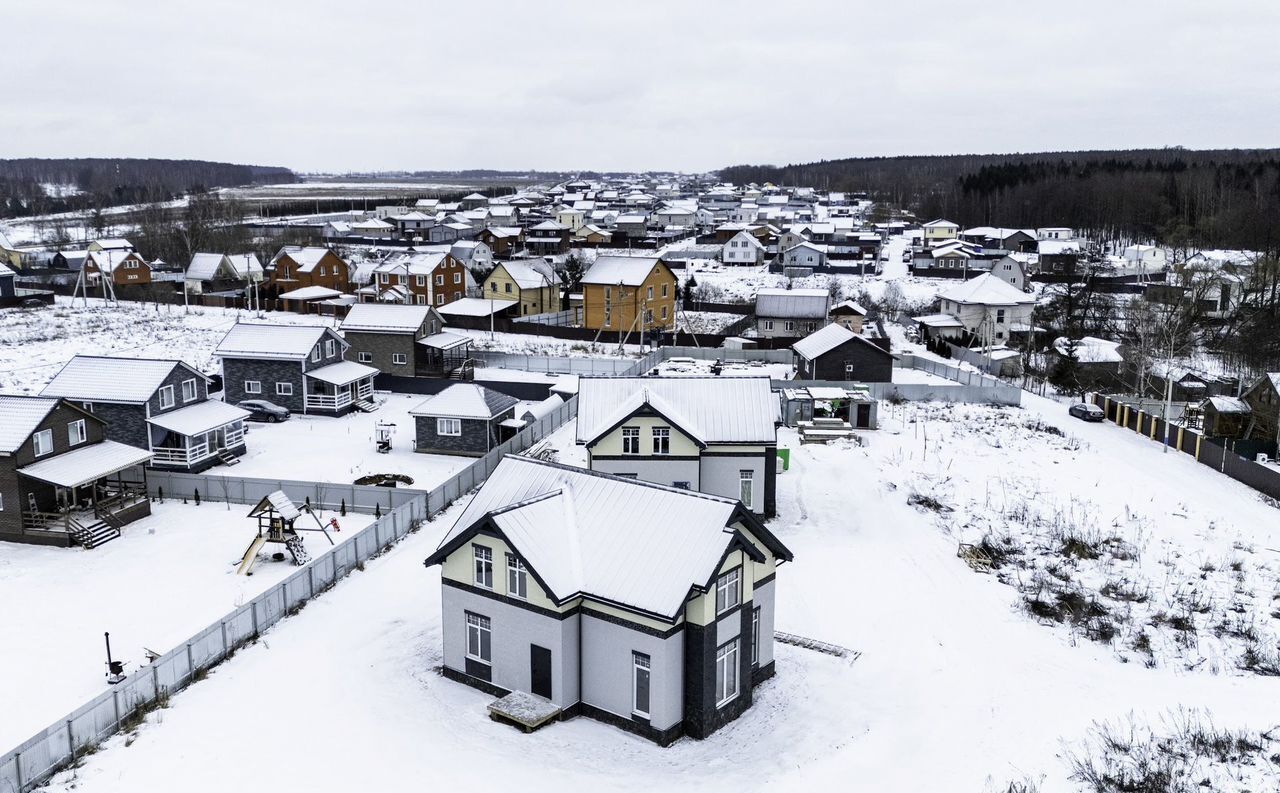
727	673
630	440
253	386
284	389
166	397
517	578
422	280
746	476
728	590
449	427
482	569
662	434
42	442
478	626
315	353
190	382
77	433
755	636
364	357
641	666
330	347
399	358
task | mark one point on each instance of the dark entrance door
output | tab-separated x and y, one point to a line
864	416
540	671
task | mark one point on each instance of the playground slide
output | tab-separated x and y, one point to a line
250	556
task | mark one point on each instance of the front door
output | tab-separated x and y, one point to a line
540	671
864	416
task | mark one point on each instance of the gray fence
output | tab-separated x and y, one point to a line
569	317
60	744
235	490
557	365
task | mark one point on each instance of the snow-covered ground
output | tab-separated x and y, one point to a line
36	343
166	577
919	376
695	367
957	687
343	449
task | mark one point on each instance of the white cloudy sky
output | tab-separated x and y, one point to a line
691	85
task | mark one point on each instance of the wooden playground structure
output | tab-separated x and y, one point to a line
277	523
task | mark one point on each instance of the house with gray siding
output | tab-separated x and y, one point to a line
650	608
716	435
790	313
299	367
62	482
404	340
464	419
160	405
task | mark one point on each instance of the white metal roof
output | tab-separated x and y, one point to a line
261	340
204	266
1090	349
311	293
531	274
625	270
385	318
342	372
1225	404
474	307
939	321
91	378
711	409
465	401
792	303
987	290
200	417
19	417
823	341
585	533
444	341
85	464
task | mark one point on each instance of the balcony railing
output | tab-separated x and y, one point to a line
180	456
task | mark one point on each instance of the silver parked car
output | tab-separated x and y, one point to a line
1086	412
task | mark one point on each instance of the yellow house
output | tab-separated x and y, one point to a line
939	231
534	284
628	294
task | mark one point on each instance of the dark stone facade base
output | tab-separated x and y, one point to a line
474	682
762	673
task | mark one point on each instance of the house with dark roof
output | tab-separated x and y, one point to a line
837	353
159	405
299	367
716	435
464	419
62	481
648	607
403	340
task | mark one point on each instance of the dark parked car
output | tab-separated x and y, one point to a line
262	410
1086	412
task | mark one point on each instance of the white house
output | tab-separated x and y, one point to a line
743	248
985	306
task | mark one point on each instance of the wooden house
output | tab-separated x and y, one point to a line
628	294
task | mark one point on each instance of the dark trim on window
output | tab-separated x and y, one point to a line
663	457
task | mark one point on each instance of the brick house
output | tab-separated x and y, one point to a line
295	267
628	293
124	268
463	420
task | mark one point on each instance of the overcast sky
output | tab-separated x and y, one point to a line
691	85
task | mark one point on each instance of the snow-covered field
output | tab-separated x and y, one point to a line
36	343
957	687
341	450
681	367
166	577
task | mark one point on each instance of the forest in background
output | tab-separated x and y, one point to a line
1224	198
97	183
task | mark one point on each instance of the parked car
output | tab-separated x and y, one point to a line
1086	412
262	410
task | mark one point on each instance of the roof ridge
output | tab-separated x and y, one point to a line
625	479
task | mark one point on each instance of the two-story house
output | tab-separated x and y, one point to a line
986	307
743	249
533	283
122	268
429	279
299	367
502	240
159	405
628	294
409	341
936	232
547	238
650	608
62	482
294	267
716	435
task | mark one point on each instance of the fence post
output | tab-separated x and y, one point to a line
115	704
311	582
71	740
191	664
1198	439
254	606
155	681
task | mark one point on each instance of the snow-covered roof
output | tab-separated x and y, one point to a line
4	242
848	307
987	290
621	541
278	502
311	293
465	401
823	341
531	274
93	378
624	270
1226	404
709	409
200	417
262	340
1051	247
939	321
86	463
385	318
204	266
417	263
444	341
7	271
474	307
107	261
1090	349
114	244
19	417
305	258
792	303
342	372
940	224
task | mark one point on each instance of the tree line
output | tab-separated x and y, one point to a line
95	183
1225	198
